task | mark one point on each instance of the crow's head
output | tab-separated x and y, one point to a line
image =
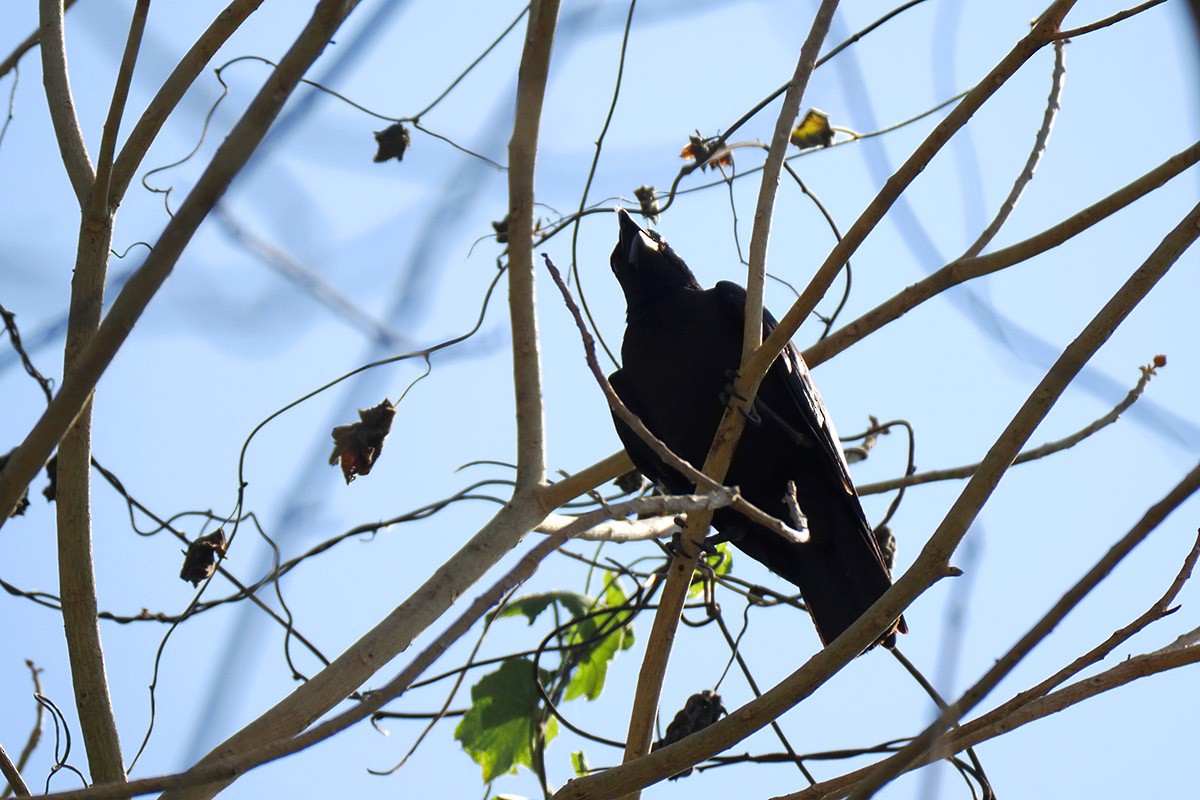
645	265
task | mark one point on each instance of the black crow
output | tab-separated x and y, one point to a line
682	347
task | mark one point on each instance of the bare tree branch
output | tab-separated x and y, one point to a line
1042	34
59	101
127	308
928	740
206	775
1053	103
172	91
617	530
1032	454
554	495
961	271
522	155
720	454
76	572
31	41
11	774
1033	704
930	565
1107	21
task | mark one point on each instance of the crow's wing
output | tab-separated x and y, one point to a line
639	452
803	410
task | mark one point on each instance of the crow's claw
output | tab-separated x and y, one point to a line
729	395
675	548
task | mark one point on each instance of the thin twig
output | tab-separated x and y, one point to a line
1053	104
957	272
98	202
147	128
74	153
478	59
31	41
14	338
1032	454
591	176
720	454
35	732
660	449
141	287
931	564
211	773
1113	20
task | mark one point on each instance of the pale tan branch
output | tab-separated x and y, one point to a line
11	774
930	746
1041	451
931	564
617	530
1040	36
210	772
554	495
522	302
77	579
720	454
1129	670
1107	21
961	271
61	104
670	458
1035	703
31	41
127	308
116	109
992	725
146	130
1097	332
1053	104
1158	610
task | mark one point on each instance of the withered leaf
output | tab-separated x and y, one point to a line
51	490
501	228
702	150
647	198
200	559
393	141
23	503
701	710
812	131
358	445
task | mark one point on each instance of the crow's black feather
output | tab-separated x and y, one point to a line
682	342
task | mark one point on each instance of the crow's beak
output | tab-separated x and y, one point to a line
633	239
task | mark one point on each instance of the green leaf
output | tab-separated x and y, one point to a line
497	731
592	661
532	605
579	763
615	597
720	562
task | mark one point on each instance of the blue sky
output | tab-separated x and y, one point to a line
230	339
